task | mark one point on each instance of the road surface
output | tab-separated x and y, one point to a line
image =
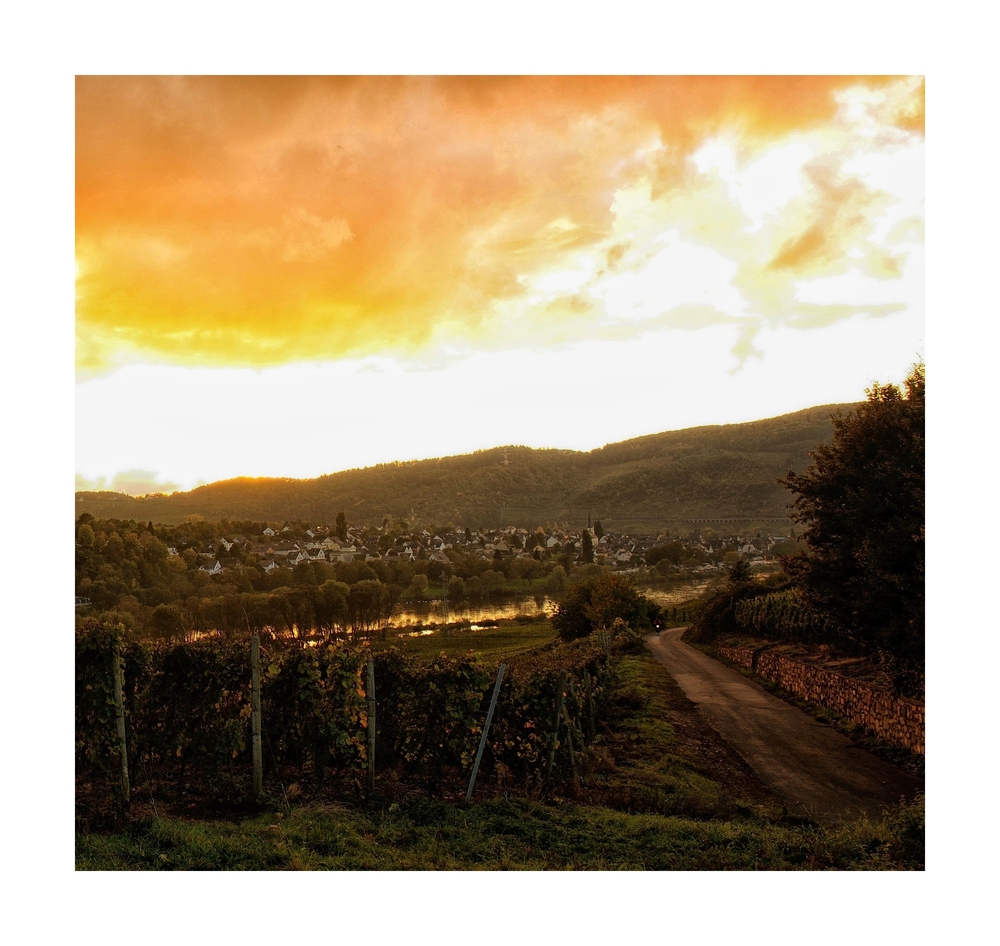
815	769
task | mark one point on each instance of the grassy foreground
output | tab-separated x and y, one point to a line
498	834
657	793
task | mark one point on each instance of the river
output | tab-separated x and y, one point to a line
440	613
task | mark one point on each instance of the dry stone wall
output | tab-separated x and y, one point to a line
894	719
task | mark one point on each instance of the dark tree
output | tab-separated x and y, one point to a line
598	530
166	621
586	548
739	573
596	602
862	503
341	526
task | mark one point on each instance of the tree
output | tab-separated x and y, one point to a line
673	552
166	621
341	527
331	605
586	548
598	530
555	584
418	587
739	572
596	602
862	503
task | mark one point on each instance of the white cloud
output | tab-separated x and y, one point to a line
681	273
855	288
764	185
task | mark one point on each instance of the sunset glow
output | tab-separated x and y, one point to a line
290	276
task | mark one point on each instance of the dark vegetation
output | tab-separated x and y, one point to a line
188	717
643	484
858	583
602	603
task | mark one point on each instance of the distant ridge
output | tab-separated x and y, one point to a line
650	483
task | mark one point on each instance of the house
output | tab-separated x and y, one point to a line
341	555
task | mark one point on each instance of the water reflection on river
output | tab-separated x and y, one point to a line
442	611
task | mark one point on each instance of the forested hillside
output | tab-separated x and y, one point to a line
644	484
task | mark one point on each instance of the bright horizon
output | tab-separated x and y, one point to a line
293	277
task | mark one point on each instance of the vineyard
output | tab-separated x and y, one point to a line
185	713
783	615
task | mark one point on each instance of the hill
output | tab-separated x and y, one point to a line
665	480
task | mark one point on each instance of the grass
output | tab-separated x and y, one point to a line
504	640
657	793
499	834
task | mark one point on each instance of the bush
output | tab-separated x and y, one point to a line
722	604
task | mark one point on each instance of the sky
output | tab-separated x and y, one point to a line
291	276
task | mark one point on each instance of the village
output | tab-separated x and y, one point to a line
290	545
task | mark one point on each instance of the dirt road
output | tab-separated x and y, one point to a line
813	767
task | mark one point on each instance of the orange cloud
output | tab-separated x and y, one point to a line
261	220
838	214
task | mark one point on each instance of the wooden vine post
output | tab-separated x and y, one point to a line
119	686
370	690
555	726
577	727
569	745
486	730
258	756
591	727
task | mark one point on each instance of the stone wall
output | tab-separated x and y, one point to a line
895	719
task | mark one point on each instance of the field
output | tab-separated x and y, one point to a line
499	641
